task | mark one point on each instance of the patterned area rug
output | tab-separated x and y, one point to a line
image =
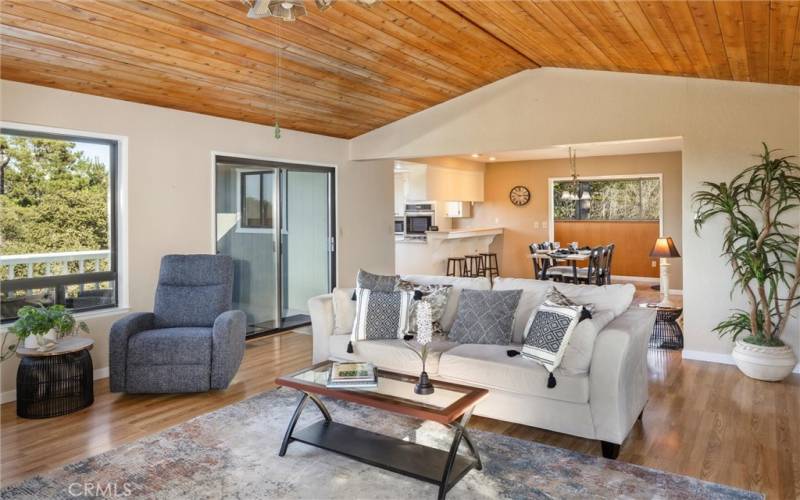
232	453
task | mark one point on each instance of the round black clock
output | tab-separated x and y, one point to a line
519	195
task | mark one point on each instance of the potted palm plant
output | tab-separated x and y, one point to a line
762	246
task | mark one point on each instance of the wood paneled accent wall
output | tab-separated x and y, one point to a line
633	241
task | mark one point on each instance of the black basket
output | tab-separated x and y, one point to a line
667	333
49	386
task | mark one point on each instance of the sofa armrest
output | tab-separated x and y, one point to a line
618	374
321	310
121	331
227	347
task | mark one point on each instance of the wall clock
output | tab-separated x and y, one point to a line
519	195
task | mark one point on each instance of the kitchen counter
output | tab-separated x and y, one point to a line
430	257
465	233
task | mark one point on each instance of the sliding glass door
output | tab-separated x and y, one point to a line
277	223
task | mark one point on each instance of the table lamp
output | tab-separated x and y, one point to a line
665	249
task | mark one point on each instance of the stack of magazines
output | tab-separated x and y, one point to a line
352	376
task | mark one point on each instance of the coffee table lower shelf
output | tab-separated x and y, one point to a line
410	459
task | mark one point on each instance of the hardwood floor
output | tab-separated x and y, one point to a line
703	420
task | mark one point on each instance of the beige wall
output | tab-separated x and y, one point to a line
169	184
527	224
722	125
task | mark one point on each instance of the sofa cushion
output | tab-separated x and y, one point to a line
578	355
171	346
391	355
381	315
376	282
485	317
489	366
344	311
458	284
615	298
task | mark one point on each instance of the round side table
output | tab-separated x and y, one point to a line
667	333
56	382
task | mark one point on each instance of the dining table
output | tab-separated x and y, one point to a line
574	258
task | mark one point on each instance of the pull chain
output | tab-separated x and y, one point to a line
277	79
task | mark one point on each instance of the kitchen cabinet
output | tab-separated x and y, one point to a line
459	209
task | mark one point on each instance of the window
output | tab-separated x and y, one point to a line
256	191
57	222
608	199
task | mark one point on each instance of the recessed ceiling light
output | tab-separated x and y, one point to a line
475	155
492	158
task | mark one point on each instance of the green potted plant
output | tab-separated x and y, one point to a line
762	246
41	328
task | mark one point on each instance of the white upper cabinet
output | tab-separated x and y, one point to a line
459	209
431	182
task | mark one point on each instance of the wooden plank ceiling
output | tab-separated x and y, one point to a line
351	69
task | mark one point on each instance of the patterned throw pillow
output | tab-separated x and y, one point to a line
435	295
380	315
485	316
547	335
376	282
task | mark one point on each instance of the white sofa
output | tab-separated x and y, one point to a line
601	404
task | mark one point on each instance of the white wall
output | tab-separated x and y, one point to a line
722	124
169	184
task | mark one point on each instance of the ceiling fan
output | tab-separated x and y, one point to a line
288	10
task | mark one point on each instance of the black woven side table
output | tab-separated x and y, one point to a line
56	382
667	333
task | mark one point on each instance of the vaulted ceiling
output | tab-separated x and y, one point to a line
351	69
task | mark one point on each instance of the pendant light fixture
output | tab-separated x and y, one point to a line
574	193
289	10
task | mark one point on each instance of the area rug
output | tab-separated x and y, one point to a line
232	453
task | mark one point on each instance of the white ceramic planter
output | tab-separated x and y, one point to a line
33	341
764	363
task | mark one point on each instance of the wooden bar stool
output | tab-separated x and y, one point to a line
475	266
490	266
456	266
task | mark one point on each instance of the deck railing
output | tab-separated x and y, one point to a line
31	265
79	280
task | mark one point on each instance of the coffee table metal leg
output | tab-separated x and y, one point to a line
287	438
321	406
472	449
461	429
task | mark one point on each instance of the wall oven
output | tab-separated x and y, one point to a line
419	219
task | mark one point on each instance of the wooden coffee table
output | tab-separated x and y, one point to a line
450	405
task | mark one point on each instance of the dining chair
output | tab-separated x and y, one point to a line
609	258
590	274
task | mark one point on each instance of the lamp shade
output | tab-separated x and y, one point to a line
664	248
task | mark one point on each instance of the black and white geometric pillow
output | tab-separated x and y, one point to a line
557	298
547	333
381	315
376	282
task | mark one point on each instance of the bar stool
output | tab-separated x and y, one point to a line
456	266
490	266
475	266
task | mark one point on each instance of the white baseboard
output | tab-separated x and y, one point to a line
715	357
9	396
643	279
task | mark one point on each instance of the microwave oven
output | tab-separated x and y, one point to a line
399	226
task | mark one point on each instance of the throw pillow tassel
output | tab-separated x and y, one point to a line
551	381
511	353
350	347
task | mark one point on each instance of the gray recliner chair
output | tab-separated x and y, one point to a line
191	342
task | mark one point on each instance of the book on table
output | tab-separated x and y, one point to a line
352	376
